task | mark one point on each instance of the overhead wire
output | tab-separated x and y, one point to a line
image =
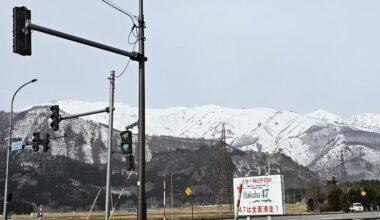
136	35
113	5
129	59
133	32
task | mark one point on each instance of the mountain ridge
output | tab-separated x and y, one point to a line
319	135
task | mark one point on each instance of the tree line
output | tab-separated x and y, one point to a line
334	196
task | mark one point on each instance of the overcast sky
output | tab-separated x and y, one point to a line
294	55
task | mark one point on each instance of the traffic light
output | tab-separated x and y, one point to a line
46	143
36	141
22	39
130	162
126	142
55	117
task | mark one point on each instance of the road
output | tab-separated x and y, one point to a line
357	215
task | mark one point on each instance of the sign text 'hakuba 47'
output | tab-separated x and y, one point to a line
260	195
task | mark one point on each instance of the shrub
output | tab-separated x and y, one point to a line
310	204
324	207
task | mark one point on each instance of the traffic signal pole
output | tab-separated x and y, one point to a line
110	133
136	56
141	205
133	55
85	114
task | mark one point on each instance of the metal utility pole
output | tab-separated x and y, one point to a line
171	194
269	217
110	133
164	185
141	205
9	149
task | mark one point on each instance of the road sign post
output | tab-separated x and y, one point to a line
188	194
192	207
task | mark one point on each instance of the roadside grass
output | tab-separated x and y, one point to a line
296	209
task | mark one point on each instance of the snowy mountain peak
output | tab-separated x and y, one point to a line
325	116
366	120
192	122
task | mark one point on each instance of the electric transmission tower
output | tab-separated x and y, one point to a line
343	170
225	176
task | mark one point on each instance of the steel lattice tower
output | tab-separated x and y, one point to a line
343	170
225	176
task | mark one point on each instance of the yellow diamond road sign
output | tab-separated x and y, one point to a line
363	193
188	191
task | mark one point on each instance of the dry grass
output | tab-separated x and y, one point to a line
296	209
210	212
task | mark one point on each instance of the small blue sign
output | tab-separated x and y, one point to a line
16	145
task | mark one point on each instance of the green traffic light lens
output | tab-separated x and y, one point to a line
126	149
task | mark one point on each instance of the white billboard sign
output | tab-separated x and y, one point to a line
260	195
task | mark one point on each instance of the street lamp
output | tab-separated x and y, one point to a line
9	149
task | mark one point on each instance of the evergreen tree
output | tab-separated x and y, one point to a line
334	199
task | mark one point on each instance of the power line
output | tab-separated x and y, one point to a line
126	66
136	35
113	5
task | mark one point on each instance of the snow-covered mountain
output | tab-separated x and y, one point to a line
187	122
366	120
317	140
77	162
